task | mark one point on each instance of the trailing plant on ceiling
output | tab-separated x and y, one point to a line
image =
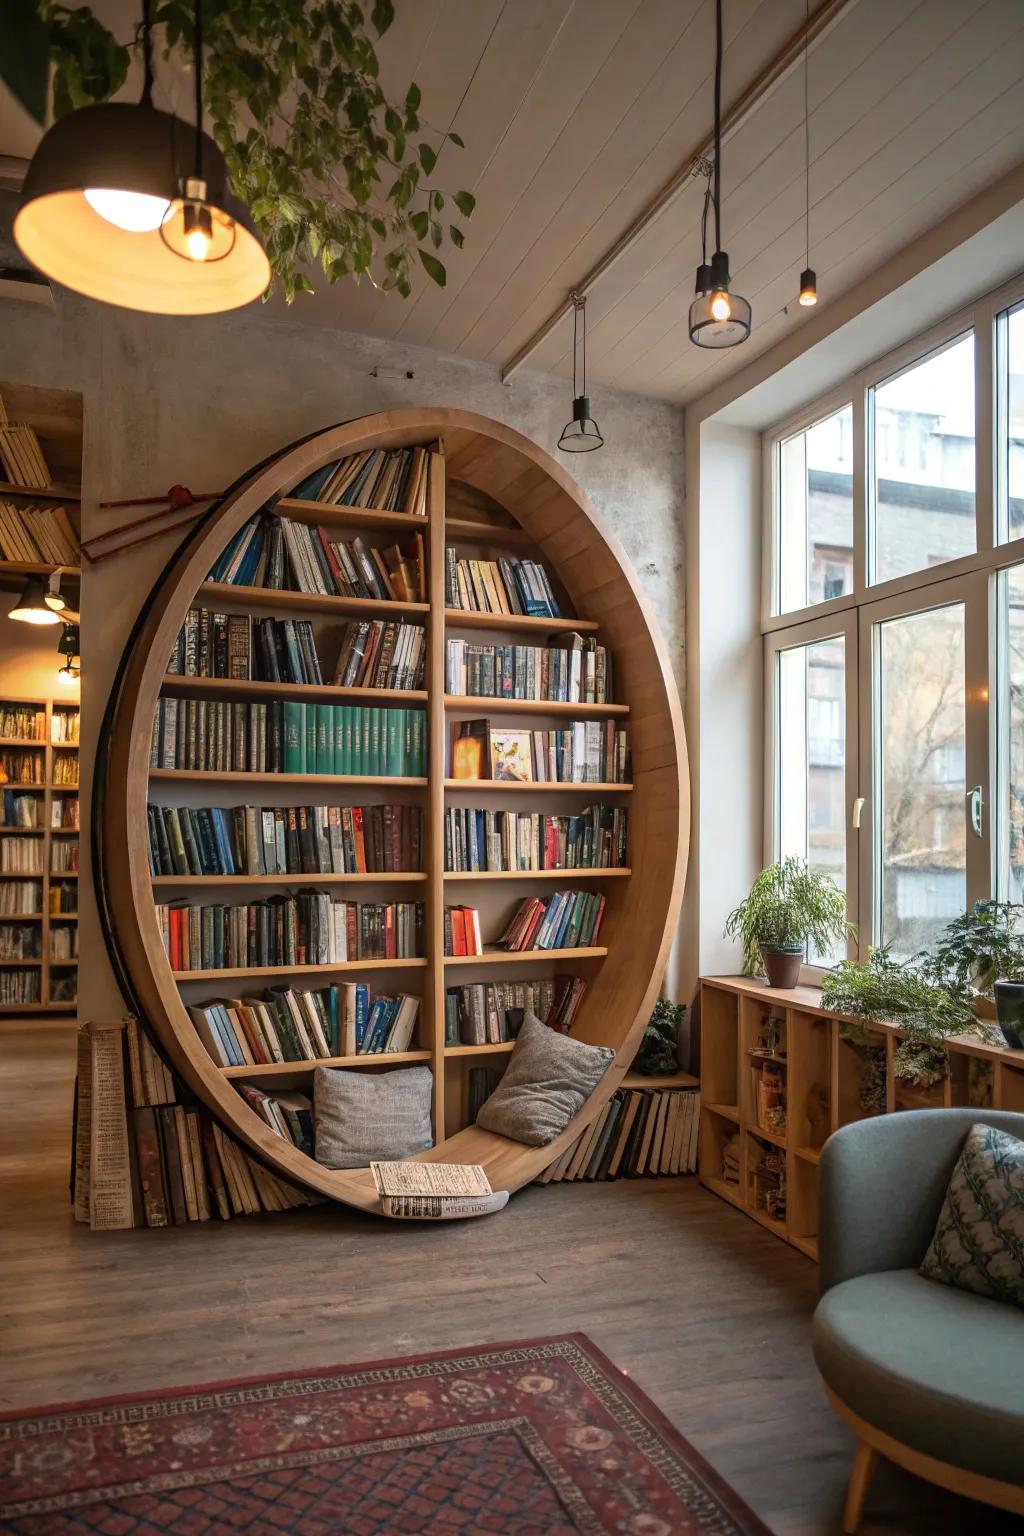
336	176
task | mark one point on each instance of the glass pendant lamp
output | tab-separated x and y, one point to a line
718	317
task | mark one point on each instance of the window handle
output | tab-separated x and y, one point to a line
858	806
976	804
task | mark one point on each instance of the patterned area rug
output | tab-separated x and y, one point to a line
543	1438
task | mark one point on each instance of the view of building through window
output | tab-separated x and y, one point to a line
1010	735
1014	450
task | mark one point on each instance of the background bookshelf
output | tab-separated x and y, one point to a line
491	494
54	418
778	1077
40	861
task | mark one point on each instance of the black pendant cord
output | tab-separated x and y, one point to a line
583	311
197	64
575	345
718	125
807	136
146	99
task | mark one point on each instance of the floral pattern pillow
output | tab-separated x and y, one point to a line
979	1238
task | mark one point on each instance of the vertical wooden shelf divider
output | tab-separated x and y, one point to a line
436	742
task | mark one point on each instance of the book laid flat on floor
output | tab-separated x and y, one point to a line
435	1191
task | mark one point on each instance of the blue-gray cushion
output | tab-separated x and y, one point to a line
979	1237
548	1078
934	1367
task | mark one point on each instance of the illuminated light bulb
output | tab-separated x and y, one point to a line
197	243
808	288
721	309
139	213
198	231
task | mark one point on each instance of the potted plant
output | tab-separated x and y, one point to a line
788	907
984	949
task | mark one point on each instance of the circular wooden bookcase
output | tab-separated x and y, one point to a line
504	495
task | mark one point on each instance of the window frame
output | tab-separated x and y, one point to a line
869	602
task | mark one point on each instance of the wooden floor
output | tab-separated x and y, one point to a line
706	1311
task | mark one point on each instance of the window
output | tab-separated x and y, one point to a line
922	427
895	717
815	542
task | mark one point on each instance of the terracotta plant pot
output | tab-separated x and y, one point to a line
1010	1012
782	965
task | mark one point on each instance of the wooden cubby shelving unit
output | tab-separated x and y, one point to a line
47	791
56	417
823	1077
491	492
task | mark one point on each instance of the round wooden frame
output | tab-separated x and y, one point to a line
642	911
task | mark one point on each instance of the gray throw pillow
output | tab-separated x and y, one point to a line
360	1117
548	1078
979	1238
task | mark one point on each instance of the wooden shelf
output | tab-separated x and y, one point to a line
519	956
338	780
482	704
31	964
287	1068
727	1111
331	514
44	493
674	1080
323	693
771	1136
468	529
538	874
18	741
391	877
469	618
489	1048
725	1191
24	831
300	970
558	787
809	1154
275	600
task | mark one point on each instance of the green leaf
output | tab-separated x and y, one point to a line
465	202
455	138
25	55
436	234
419	222
428	158
433	268
413	97
458	238
382	15
439	201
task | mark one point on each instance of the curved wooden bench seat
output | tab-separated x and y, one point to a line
493	467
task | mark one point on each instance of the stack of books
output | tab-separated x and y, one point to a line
583	752
289	1024
285	840
19	987
65	771
65	726
566	920
462	931
435	1191
21	855
385	480
289	1114
19	810
287	737
64	813
21	457
573	670
21	898
488	1013
478	840
21	767
377	654
19	941
500	586
238	646
64	856
312	928
641	1132
22	722
281	555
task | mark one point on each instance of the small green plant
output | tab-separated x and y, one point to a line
789	906
658	1055
984	946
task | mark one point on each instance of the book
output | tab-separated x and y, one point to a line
285	840
479	839
216	736
639	1133
295	1024
311	928
566	920
282	554
440	1208
489	1013
571	669
509	586
441	1180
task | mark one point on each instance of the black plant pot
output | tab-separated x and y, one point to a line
782	965
1010	1012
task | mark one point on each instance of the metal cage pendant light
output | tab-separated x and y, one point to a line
718	318
581	434
108	210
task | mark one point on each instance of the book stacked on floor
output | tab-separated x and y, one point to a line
20	810
565	920
312	928
65	726
36	535
570	670
21	855
641	1132
285	737
490	1012
381	654
585	752
19	941
21	767
22	722
244	648
384	480
19	987
291	1024
479	840
435	1191
21	898
285	840
185	1167
64	856
280	555
499	586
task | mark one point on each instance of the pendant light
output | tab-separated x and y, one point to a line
109	210
581	434
70	646
32	606
808	277
718	318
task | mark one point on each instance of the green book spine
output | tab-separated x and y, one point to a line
396	736
311	711
324	739
365	740
294	738
414	745
338	725
350	741
376	757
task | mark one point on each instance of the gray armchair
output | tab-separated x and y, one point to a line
928	1376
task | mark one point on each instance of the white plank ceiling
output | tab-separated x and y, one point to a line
575	112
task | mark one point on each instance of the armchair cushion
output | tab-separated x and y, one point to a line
934	1367
979	1239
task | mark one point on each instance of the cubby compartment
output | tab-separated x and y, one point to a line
1012	1088
810	1080
802	1205
859	1077
763	1043
950	1091
719	1066
720	1150
765	1182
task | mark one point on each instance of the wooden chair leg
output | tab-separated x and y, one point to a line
860	1476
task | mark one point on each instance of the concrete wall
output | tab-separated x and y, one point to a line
199	401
